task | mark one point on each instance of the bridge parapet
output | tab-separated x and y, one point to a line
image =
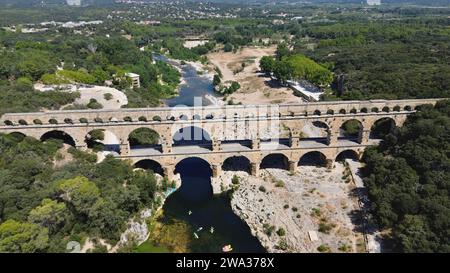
207	113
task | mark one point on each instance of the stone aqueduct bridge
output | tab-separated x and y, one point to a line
233	130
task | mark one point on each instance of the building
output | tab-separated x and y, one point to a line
73	2
135	79
373	2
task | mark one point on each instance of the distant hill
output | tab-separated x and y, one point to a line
36	3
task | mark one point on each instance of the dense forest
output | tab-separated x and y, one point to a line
408	178
394	59
49	197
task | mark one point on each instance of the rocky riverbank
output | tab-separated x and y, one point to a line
313	210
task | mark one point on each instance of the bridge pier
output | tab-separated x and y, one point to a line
256	144
169	172
363	137
166	146
329	163
332	138
216	145
216	170
254	168
292	166
125	148
294	142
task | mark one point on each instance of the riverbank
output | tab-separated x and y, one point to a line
313	210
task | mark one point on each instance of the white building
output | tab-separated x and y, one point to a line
73	2
135	79
373	2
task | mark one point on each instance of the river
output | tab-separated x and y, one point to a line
194	205
194	86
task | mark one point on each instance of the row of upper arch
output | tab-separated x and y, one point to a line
185	117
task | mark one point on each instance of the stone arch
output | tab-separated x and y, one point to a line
192	136
276	160
330	112
183	117
59	135
196	183
364	110
68	121
23	122
382	127
351	129
342	111
144	138
317	113
407	108
37	121
149	164
197	163
236	163
314	158
17	136
8	122
196	117
52	121
102	140
316	130
348	154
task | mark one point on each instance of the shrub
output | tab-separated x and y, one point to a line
235	180
268	229
281	232
108	96
323	248
94	104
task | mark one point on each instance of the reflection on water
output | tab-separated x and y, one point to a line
195	204
195	85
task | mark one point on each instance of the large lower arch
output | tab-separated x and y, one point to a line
275	161
382	127
314	158
151	165
196	186
59	135
103	140
351	130
192	136
236	163
347	154
144	138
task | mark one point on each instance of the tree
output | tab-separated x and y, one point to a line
22	237
50	214
228	47
79	192
267	64
216	80
282	51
